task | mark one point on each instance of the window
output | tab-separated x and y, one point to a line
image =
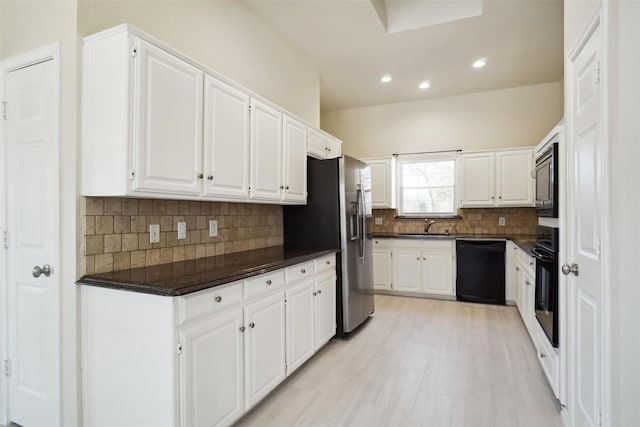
427	187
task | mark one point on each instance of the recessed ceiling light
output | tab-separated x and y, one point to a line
424	85
386	78
479	63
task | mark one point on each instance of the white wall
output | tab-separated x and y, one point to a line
624	209
25	26
514	117
225	36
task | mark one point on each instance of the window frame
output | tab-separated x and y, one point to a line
425	158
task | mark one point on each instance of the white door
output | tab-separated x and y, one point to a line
585	204
381	260
477	180
514	181
294	153
264	347
300	324
406	270
317	145
169	92
32	214
226	140
211	370
266	152
325	289
437	271
334	148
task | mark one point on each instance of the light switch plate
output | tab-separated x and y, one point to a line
378	220
154	233
182	230
213	228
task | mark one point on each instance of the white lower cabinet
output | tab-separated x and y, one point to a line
264	353
423	266
212	394
205	358
381	257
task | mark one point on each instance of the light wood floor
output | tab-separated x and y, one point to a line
419	362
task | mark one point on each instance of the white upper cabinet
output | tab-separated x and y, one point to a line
226	140
502	178
382	182
157	124
266	149
294	157
322	146
514	183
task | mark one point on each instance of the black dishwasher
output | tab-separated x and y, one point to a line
480	271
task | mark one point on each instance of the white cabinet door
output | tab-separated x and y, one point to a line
437	271
529	289
477	180
406	270
317	145
514	182
212	370
334	147
381	183
300	320
264	344
325	308
168	117
226	141
266	152
295	161
381	258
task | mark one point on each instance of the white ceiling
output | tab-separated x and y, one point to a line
348	43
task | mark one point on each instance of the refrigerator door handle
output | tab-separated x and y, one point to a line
363	233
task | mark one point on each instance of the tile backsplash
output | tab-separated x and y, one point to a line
481	221
116	231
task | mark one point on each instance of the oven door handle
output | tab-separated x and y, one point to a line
542	257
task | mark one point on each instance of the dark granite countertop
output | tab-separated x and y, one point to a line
525	242
180	278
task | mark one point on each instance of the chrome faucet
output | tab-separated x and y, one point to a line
427	225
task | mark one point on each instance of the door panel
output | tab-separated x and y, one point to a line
586	120
515	185
266	152
300	324
477	180
437	271
169	96
325	304
32	213
406	270
294	152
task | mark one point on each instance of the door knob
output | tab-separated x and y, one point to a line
568	269
45	269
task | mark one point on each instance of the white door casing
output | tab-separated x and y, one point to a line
32	201
586	151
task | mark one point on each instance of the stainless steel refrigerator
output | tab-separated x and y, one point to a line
337	215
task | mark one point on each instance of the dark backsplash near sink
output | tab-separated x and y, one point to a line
518	221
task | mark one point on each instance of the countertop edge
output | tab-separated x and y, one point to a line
96	280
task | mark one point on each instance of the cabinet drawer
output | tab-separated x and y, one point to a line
297	272
263	284
548	359
382	243
209	301
325	263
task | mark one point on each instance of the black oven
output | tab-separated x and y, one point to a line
547	182
546	298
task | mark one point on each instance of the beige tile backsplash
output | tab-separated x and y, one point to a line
482	221
116	231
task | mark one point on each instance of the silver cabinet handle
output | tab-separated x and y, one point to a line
328	262
241	328
570	269
315	293
319	291
527	282
303	271
218	298
282	187
45	269
286	188
517	268
499	197
200	176
418	259
210	177
531	263
542	355
492	197
268	282
252	325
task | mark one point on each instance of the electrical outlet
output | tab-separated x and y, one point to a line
501	221
213	228
182	230
378	220
154	233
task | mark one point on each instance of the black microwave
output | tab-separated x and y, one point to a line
547	182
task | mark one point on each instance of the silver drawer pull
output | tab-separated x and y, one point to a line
218	298
315	293
542	355
252	325
328	262
241	328
303	271
268	282
319	291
